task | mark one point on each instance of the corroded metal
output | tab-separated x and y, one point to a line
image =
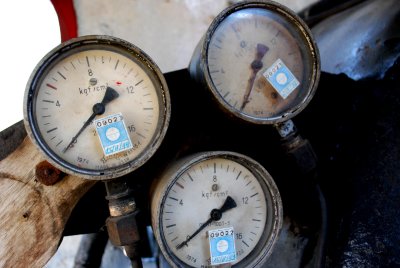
122	228
47	174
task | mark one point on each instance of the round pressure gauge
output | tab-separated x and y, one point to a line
259	61
216	207
97	107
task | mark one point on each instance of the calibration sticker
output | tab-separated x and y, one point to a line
222	245
113	135
281	78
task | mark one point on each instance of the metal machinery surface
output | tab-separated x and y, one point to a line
354	127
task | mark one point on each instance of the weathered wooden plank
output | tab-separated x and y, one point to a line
32	215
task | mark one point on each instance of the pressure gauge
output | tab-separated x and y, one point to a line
97	107
216	207
259	61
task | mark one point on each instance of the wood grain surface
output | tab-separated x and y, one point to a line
32	215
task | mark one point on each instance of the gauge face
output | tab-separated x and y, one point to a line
96	108
259	62
223	182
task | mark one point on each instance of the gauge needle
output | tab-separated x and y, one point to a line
215	215
255	66
98	109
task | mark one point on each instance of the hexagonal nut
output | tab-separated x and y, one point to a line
122	230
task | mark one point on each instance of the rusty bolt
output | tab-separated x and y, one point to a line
47	174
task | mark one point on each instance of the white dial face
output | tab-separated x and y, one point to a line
203	187
256	64
127	100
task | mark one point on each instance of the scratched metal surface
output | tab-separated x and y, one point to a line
365	51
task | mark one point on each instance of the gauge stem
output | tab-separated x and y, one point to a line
98	109
215	215
255	66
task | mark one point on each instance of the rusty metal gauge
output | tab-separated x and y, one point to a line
259	61
97	107
216	207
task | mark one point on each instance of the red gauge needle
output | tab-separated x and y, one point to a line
255	66
98	109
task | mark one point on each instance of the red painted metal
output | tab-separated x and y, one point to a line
67	18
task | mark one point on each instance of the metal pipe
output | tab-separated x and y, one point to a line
302	154
121	225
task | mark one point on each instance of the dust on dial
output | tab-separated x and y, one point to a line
97	106
212	191
259	61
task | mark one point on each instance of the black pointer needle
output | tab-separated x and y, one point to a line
255	66
98	109
215	215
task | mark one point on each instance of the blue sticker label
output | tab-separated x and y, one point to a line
113	135
281	78
222	246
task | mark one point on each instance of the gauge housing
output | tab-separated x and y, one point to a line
112	45
172	177
205	58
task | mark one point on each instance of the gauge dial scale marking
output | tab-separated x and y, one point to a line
185	202
75	76
240	45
